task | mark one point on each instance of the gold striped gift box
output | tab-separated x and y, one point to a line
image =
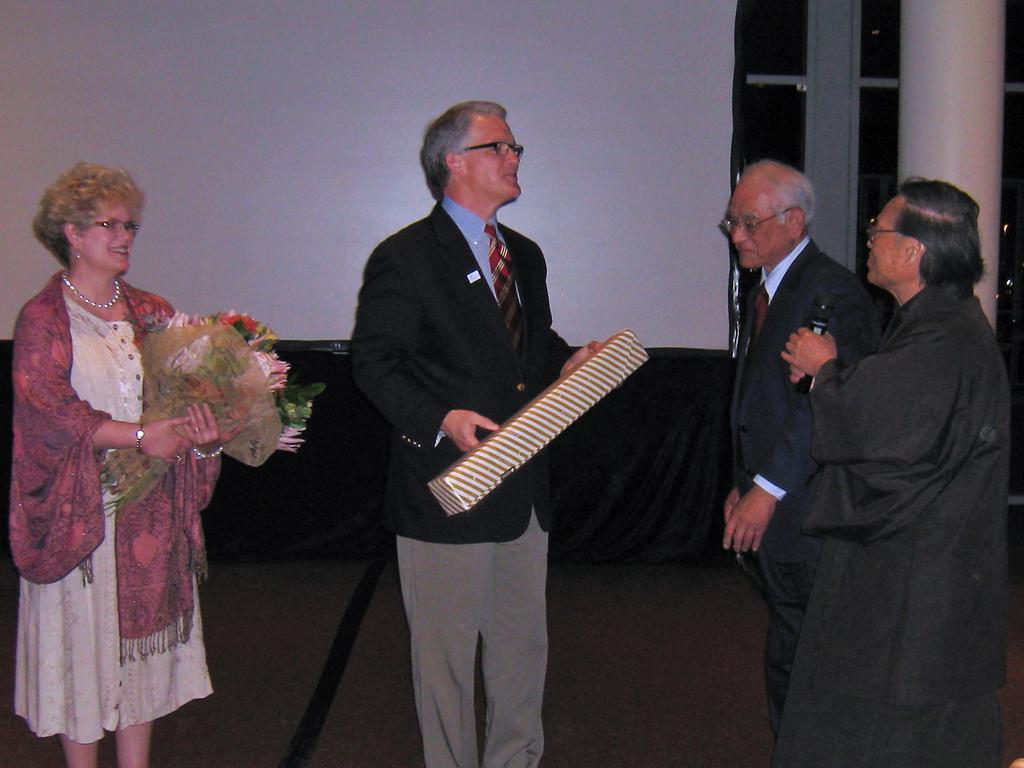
478	472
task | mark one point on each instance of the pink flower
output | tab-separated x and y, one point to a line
275	369
290	440
180	320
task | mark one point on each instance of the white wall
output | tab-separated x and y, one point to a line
278	143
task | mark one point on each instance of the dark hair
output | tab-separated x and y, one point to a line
945	220
445	135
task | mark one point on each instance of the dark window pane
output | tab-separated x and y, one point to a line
773	123
879	131
1009	298
880	38
1013	129
774	36
1015	41
873	192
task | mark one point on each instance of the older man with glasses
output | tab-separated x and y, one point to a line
775	478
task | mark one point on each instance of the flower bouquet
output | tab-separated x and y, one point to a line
226	360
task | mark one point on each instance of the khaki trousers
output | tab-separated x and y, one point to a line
453	594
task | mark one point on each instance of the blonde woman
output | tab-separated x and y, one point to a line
109	630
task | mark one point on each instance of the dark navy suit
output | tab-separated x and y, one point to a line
771	427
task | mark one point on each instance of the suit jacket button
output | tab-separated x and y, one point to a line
520	387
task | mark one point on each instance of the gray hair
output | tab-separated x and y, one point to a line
794	189
445	135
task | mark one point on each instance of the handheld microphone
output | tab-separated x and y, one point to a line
821	312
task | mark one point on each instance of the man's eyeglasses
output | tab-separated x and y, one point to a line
874	230
112	225
501	148
729	225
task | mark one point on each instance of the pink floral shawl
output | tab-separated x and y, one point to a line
56	512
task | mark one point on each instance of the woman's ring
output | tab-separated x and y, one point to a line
179	458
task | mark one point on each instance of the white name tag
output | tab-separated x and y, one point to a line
473	276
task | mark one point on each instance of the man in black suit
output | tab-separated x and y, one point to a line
446	351
774	475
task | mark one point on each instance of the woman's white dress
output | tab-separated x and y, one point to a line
68	678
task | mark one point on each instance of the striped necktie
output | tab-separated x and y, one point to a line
504	285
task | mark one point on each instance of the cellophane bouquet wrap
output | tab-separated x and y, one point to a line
227	361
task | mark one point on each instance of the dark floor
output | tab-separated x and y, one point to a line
650	666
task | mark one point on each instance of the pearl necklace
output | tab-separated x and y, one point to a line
104	305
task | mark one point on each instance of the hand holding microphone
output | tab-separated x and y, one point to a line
811	347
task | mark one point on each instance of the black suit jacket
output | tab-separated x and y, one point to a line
427	340
771	424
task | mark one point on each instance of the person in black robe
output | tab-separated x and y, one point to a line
904	643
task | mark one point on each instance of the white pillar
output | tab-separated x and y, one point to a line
951	108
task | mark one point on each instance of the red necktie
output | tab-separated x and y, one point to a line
760	310
504	284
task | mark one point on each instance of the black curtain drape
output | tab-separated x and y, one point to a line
641	477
